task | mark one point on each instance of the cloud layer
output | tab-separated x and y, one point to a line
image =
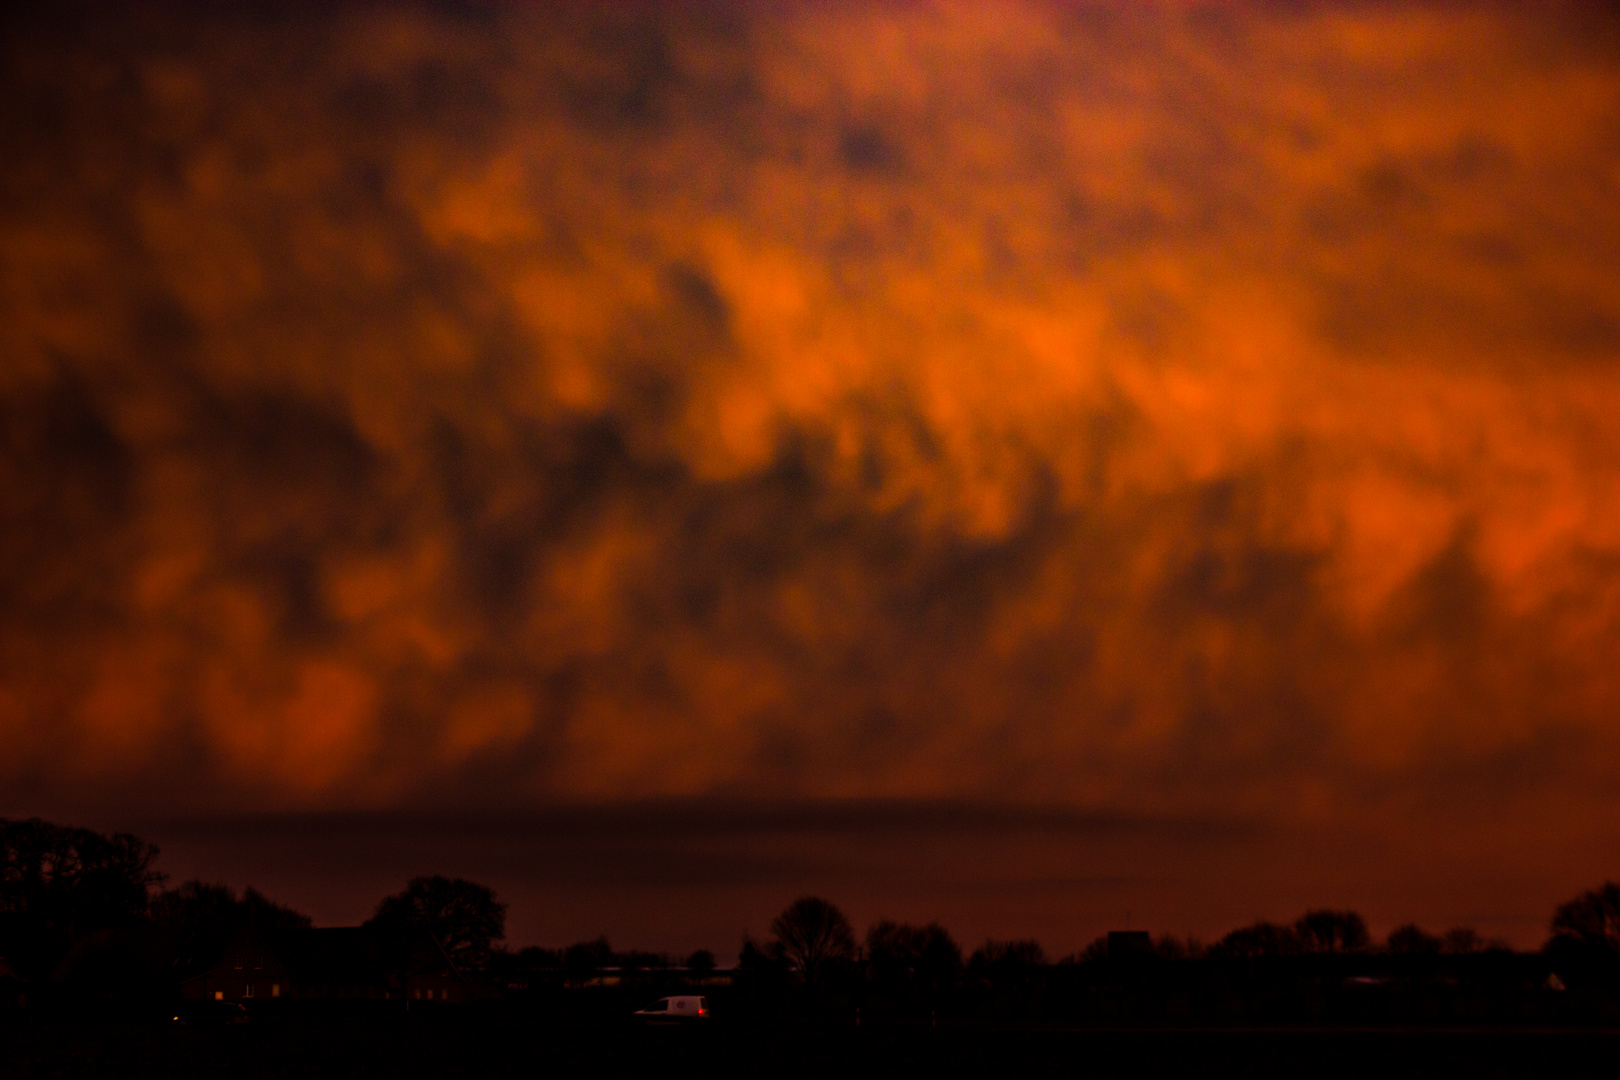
1194	410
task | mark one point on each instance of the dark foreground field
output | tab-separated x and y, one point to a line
468	1046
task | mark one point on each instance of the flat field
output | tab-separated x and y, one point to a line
472	1046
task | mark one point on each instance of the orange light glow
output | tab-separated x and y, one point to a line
1179	409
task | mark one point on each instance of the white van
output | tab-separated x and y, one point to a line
675	1009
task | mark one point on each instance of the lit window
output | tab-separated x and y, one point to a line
275	989
219	995
247	991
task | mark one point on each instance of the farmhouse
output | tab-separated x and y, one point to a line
348	963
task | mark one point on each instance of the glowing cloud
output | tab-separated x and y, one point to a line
1166	409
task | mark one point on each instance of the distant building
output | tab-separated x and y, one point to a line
350	963
248	968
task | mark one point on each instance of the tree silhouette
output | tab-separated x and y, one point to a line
195	921
1326	931
700	962
197	907
59	884
1093	953
524	969
1411	940
1170	947
812	933
1006	962
583	959
1260	939
463	916
1591	919
925	956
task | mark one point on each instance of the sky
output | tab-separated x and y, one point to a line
1039	466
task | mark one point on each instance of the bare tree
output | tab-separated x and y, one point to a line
463	916
1260	939
1326	931
1170	947
1592	918
1094	953
1006	961
810	933
901	953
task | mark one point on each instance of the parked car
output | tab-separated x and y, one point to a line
211	1014
680	1009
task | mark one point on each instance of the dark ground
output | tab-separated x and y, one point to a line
469	1046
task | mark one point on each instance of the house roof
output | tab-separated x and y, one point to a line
338	955
333	955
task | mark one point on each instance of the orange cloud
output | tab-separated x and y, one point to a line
1173	408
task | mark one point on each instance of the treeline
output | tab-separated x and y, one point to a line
1320	931
85	916
932	950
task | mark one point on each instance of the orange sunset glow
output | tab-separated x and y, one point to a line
1019	463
